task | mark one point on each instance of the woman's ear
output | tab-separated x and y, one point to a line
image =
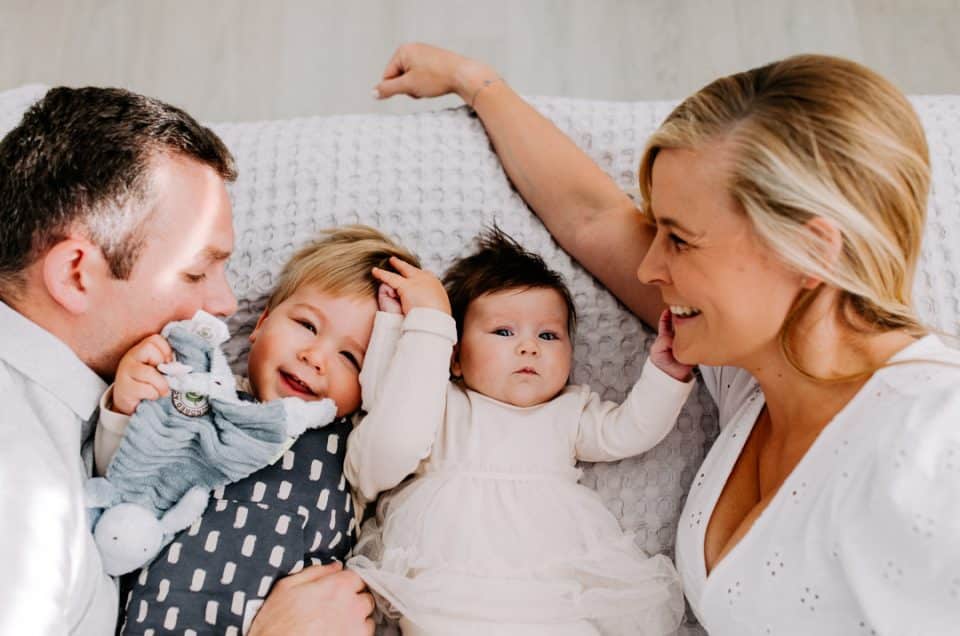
455	369
828	238
73	271
256	328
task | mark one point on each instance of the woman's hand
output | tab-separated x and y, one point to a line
137	376
421	70
661	353
415	287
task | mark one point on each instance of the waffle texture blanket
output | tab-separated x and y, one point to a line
433	181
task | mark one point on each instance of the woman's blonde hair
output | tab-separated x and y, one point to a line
818	136
339	262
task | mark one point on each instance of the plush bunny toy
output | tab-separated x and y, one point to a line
178	448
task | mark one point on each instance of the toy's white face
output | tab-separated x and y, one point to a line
311	346
515	346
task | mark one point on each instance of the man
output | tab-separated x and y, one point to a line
114	220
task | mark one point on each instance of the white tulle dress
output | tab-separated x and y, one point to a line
493	534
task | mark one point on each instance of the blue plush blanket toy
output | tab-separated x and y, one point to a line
178	448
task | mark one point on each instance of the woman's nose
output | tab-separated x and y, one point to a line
652	269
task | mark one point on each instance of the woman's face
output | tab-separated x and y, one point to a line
727	291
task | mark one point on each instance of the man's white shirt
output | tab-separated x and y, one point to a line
52	581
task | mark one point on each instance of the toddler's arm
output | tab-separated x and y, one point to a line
398	432
609	432
137	379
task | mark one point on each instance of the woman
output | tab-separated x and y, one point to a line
783	212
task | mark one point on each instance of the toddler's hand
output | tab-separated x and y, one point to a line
415	287
137	376
388	300
661	353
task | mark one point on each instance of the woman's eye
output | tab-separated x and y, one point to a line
306	324
549	335
352	359
678	242
502	332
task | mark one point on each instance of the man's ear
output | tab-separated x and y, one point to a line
827	235
455	369
73	269
256	327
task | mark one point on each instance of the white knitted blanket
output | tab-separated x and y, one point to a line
432	181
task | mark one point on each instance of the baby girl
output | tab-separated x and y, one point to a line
493	534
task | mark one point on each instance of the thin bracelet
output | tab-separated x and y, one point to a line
473	100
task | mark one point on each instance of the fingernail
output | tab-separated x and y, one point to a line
375	93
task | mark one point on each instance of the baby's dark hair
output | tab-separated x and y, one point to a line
500	264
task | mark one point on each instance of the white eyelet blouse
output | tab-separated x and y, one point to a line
863	537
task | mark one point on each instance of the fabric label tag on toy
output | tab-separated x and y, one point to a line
190	404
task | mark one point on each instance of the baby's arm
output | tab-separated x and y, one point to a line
137	379
398	431
609	432
383	344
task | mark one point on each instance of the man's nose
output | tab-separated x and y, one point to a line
221	301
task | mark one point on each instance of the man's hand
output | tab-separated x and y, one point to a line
137	376
415	287
321	600
661	352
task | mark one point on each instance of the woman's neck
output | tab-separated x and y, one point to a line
799	406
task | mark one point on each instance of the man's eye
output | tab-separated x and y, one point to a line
549	335
502	332
194	278
306	324
352	359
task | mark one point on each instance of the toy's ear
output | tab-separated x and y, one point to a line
256	328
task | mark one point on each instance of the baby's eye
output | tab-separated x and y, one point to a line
306	324
502	332
194	278
549	335
352	359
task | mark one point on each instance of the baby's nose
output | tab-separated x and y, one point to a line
314	358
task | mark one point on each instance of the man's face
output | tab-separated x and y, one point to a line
182	266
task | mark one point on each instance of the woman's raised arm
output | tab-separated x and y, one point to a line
583	208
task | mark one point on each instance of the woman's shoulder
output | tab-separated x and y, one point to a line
927	370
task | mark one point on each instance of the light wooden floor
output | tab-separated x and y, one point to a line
247	59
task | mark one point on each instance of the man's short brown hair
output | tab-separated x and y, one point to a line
80	160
